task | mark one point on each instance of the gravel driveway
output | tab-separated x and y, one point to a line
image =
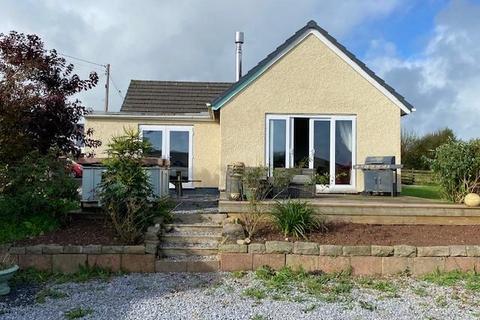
232	296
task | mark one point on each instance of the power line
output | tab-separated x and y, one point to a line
116	87
83	60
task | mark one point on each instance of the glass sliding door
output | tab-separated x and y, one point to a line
277	143
320	141
179	154
343	152
173	143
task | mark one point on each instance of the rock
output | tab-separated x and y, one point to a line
472	200
247	240
473	251
233	248
331	250
232	232
256	248
278	247
240	241
458	251
435	251
382	251
357	250
308	248
405	251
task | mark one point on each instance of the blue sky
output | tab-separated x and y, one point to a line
426	49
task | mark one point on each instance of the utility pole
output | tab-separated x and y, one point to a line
107	85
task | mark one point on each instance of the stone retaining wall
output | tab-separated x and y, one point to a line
68	259
362	260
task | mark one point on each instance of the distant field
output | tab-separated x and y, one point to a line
428	192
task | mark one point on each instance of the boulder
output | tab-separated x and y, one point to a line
472	200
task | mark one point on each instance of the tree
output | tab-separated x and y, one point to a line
417	152
37	108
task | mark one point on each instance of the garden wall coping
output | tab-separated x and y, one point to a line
49	249
312	248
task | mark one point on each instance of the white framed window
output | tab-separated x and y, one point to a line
174	143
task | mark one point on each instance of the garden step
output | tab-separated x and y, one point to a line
187	251
211	218
177	237
188	264
196	227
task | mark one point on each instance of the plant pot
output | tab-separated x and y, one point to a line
6	275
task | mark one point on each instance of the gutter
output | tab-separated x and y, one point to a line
124	115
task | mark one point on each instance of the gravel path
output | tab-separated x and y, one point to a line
223	296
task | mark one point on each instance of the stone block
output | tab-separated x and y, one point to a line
307	248
134	249
330	264
256	248
203	266
331	250
68	263
357	250
17	250
151	247
434	251
138	263
233	248
112	249
423	265
92	249
462	263
366	266
473	251
109	261
405	251
275	261
278	247
382	251
170	266
72	249
302	262
236	261
35	261
52	249
396	265
36	249
458	251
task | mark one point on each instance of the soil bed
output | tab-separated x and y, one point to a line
369	234
78	232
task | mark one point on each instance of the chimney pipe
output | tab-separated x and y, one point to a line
239	39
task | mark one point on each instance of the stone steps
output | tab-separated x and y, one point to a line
196	238
194	227
193	218
188	264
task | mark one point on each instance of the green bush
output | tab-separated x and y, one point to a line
296	218
36	195
457	168
126	194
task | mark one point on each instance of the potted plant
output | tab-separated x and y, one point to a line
7	270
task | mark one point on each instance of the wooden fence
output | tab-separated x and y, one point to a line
420	177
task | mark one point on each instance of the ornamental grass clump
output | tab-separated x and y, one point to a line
296	218
126	194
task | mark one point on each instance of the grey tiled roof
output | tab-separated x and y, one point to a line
171	97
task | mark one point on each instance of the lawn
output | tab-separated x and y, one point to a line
422	191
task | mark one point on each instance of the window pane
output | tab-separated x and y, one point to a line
343	151
321	145
155	138
301	151
179	142
278	143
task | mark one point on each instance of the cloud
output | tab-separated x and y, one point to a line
176	40
443	81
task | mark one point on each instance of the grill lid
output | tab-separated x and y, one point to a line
380	160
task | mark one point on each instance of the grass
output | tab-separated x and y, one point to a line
45	293
378	284
85	273
470	280
255	293
422	191
77	313
239	274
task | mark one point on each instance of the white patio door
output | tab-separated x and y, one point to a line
332	147
173	143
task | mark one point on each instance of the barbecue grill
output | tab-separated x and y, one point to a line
380	175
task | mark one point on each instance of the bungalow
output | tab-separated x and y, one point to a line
309	102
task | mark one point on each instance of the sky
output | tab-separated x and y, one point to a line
428	50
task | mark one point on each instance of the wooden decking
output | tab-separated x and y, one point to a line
376	210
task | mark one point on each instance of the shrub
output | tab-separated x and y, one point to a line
35	196
296	218
126	194
457	168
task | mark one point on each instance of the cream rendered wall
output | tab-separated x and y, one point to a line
310	79
206	143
